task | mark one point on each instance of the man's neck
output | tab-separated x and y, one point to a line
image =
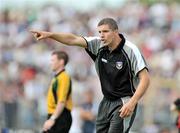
59	70
115	43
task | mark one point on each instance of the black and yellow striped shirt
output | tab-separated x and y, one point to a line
61	85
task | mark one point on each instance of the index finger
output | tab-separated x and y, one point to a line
120	110
33	31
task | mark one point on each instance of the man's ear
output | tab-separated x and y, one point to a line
116	31
61	61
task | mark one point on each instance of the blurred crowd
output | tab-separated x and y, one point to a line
25	73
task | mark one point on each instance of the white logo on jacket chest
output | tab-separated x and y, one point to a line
103	60
119	65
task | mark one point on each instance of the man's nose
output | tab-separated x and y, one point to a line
102	35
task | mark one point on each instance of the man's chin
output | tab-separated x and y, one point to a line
104	43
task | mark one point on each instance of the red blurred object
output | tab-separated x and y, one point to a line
27	74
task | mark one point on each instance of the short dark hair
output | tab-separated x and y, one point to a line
61	55
110	22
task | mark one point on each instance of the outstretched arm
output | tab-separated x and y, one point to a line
65	38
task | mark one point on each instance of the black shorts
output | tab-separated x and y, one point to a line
108	120
62	124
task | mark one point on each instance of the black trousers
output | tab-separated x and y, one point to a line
62	124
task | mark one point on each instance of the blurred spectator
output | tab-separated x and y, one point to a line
176	107
87	112
10	97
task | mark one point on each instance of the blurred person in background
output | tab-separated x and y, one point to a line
10	95
87	112
59	99
176	107
122	71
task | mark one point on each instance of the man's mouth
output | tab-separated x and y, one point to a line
102	40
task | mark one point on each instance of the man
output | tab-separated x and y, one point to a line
87	112
59	100
176	107
122	71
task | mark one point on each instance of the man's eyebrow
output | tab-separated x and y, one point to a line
105	30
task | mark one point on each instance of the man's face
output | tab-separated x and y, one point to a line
55	63
106	34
